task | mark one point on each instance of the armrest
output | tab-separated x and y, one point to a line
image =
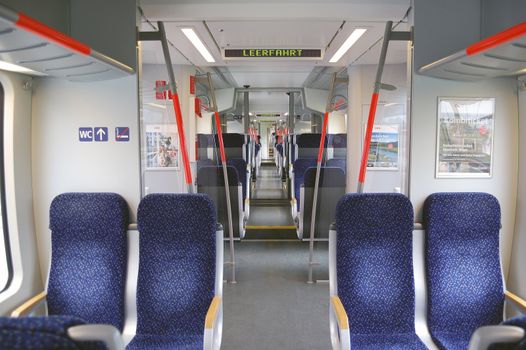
213	312
516	300
107	334
485	336
339	311
29	305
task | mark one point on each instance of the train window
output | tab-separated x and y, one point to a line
5	258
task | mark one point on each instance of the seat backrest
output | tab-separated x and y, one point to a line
300	166
177	263
338	144
233	144
331	189
202	146
241	166
210	180
337	163
308	145
374	263
43	333
88	257
462	262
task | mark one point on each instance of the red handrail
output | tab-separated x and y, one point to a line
497	39
368	135
323	133
182	139
220	137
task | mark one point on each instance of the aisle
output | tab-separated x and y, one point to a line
272	306
270	215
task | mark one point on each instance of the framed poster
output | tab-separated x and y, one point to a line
162	146
465	130
383	151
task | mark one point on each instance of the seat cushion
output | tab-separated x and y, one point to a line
400	341
451	341
155	342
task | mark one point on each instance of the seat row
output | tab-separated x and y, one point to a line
373	259
332	185
167	295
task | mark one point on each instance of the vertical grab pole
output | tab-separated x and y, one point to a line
317	182
232	261
372	108
177	107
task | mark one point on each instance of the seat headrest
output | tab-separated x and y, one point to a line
309	140
232	140
466	211
337	140
77	210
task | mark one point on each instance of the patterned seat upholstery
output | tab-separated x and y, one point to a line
374	270
43	333
465	289
89	257
177	269
300	166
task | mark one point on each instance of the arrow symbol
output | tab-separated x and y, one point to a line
100	133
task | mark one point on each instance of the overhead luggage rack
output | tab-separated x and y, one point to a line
502	54
32	44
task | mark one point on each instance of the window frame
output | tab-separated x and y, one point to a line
3	202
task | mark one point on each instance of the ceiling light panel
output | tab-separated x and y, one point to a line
347	44
198	44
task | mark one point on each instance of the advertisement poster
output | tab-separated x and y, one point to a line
162	146
465	137
383	151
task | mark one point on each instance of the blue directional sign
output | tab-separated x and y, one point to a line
122	134
85	134
100	134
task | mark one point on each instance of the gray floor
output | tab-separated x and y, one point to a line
272	306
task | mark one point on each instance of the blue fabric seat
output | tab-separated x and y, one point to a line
401	341
43	333
465	288
374	270
89	257
177	270
241	167
338	163
300	166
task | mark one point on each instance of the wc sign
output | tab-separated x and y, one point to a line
97	134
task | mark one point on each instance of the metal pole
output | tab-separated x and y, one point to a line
317	182
232	261
177	107
372	108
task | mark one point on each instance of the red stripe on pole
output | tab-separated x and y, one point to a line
323	133
51	34
220	137
497	39
368	135
182	140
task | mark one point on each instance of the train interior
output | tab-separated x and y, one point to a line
244	174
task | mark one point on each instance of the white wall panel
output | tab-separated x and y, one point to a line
63	164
